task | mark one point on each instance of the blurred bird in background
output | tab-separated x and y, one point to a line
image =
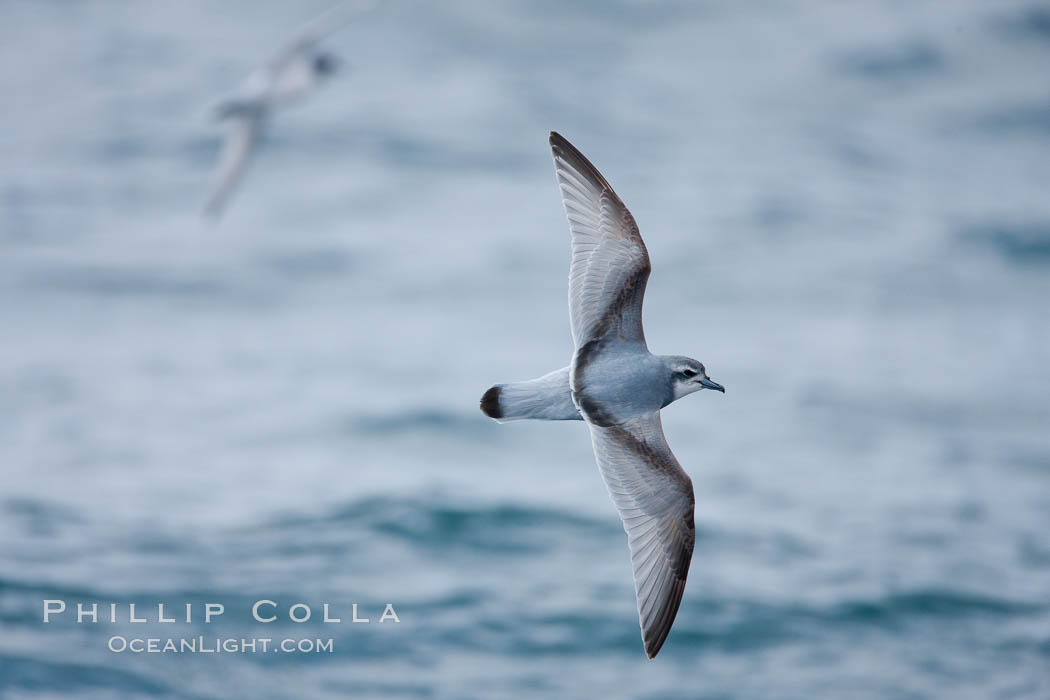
291	75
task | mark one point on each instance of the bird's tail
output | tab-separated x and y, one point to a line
545	398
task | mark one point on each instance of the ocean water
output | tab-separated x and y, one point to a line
847	208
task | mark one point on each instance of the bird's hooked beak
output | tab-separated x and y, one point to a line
708	384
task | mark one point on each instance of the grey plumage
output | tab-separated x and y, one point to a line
545	398
618	387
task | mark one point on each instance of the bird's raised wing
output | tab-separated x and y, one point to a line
610	265
329	21
240	141
655	498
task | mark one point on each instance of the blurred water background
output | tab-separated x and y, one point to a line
848	213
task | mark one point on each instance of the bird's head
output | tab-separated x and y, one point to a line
689	375
325	64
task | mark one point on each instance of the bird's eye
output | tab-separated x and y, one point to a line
689	372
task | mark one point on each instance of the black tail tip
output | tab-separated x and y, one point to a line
490	403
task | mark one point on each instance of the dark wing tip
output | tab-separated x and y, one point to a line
490	403
654	638
561	148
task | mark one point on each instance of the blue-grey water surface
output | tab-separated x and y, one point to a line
848	211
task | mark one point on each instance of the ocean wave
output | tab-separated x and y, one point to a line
1026	242
504	528
310	265
25	673
728	625
413	421
1029	118
1027	23
918	58
937	602
113	281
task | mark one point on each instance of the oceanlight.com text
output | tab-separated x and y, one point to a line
219	645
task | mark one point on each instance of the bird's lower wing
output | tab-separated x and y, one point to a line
239	144
655	499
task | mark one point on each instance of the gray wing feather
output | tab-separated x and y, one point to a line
654	496
610	265
240	141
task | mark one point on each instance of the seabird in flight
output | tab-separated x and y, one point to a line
618	387
288	77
